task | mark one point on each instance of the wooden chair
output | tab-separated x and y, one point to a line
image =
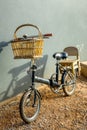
73	60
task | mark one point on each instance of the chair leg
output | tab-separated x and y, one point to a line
73	71
79	68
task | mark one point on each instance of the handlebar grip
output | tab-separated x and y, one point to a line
48	35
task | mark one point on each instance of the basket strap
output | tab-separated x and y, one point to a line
23	25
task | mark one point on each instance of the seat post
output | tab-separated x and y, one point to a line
57	70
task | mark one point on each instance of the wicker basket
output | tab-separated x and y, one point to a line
31	48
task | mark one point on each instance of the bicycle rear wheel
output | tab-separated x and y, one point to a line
69	83
30	105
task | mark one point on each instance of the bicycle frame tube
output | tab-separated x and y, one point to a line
63	76
46	81
42	80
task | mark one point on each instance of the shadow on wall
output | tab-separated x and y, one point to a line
21	80
3	44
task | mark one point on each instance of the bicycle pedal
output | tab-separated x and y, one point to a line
60	87
56	91
34	105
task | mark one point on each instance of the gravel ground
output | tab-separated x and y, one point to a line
58	112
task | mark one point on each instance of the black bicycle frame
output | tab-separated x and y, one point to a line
50	81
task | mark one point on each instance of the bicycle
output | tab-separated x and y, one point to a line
31	100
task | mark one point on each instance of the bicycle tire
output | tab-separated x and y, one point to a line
69	83
28	100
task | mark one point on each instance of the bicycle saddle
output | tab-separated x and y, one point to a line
60	55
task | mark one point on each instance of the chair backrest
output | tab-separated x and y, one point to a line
72	51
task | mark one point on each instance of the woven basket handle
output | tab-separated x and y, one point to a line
23	25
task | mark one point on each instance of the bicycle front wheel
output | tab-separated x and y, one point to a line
30	105
69	83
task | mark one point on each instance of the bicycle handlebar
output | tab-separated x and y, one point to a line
27	38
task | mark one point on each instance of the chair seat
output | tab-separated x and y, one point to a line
68	61
72	63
